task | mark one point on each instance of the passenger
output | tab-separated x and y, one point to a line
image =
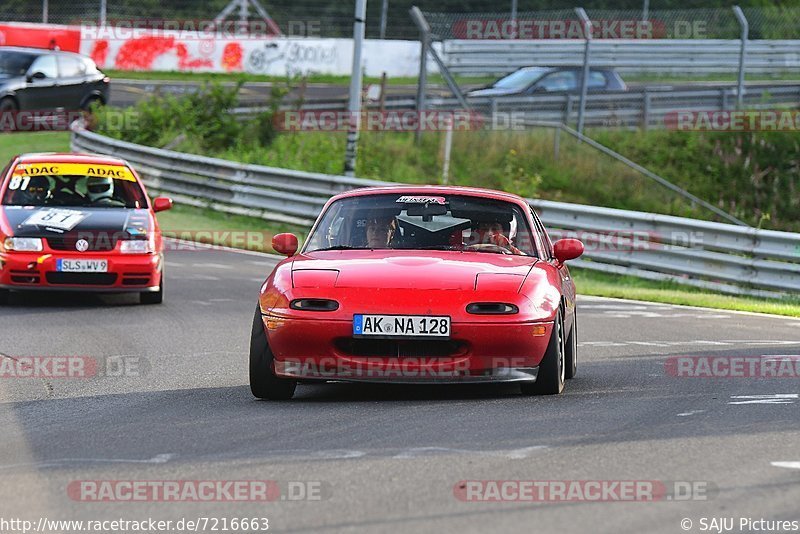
491	233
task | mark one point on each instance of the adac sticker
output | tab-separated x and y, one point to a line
421	200
117	172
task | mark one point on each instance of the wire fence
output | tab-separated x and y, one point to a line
450	19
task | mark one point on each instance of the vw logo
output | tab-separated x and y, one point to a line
81	245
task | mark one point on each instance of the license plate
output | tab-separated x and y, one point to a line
82	266
401	326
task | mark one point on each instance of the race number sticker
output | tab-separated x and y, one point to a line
117	172
59	219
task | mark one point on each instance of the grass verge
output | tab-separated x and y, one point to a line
12	144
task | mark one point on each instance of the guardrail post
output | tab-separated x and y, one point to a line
587	28
354	106
646	110
723	94
556	142
425	43
567	110
742	51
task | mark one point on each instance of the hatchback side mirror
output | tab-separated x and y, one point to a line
162	204
36	76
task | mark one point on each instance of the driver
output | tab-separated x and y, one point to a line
100	188
492	233
36	194
380	230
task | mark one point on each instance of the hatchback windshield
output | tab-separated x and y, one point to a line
76	185
415	221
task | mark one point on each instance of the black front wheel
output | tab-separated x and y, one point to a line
263	382
571	359
551	376
153	297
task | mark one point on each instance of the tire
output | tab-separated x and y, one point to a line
5	296
87	106
263	382
8	104
153	297
571	352
551	377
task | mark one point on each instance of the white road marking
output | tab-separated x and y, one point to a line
777	398
157	459
787	465
174	264
692	412
514	454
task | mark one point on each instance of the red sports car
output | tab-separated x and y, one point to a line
418	285
79	222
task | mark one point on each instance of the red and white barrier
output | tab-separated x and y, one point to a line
146	50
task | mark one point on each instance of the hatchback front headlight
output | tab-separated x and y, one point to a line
23	244
137	246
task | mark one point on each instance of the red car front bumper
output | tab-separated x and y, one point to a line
476	352
38	271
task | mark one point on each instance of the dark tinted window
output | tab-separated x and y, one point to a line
15	63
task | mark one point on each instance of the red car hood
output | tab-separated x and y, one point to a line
411	270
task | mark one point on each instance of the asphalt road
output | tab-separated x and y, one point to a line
387	459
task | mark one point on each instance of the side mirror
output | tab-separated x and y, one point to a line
162	204
285	244
567	249
36	76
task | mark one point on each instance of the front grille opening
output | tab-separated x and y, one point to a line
21	277
400	348
135	281
98	242
81	279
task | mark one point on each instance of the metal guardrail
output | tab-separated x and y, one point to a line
728	258
657	56
648	107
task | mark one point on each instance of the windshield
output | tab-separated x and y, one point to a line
15	63
76	185
520	79
418	221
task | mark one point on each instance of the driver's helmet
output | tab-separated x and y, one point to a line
100	188
37	192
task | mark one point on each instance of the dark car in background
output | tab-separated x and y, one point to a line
537	80
37	79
